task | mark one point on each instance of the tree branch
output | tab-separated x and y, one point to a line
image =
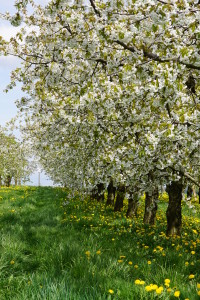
157	58
132	49
97	12
187	175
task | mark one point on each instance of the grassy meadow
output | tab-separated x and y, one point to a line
56	247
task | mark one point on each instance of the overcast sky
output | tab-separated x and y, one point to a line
7	101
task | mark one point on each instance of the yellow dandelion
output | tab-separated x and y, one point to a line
159	290
191	276
136	266
148	288
198	285
111	292
167	281
198	293
154	287
130	263
98	252
12	262
177	294
192	252
149	262
137	281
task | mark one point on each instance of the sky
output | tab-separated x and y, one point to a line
8	108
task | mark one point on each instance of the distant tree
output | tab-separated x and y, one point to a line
13	159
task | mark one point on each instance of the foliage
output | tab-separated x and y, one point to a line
13	158
112	89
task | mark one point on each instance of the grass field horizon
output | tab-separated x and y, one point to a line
57	247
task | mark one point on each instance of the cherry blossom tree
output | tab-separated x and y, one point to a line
112	93
13	160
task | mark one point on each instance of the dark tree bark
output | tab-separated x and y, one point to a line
133	203
100	189
0	180
8	181
120	198
199	194
174	217
189	192
98	194
111	194
151	207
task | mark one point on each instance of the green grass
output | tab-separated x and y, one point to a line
49	247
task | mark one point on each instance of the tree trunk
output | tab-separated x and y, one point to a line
98	194
174	218
151	207
0	180
198	192
8	181
111	194
120	198
15	181
133	203
189	192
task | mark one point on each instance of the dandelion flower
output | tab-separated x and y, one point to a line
198	285
154	287
98	252
149	262
130	263
167	281
148	288
191	276
110	291
177	294
12	262
159	290
137	281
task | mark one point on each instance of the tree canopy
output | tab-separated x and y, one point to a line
13	159
112	89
